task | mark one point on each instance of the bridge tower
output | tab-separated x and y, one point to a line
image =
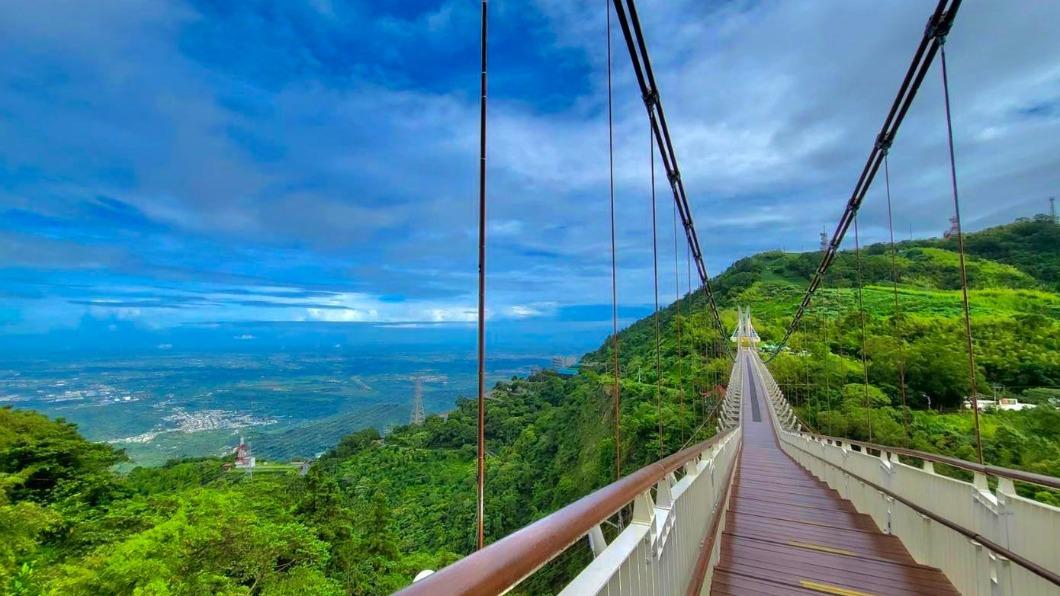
417	404
745	334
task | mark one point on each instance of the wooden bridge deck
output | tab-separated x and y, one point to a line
788	533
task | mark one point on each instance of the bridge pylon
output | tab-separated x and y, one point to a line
745	335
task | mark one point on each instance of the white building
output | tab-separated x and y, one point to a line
1005	404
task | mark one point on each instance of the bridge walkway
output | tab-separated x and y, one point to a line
789	533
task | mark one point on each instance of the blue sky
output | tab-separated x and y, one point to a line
192	174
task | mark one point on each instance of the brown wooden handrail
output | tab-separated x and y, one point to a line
505	563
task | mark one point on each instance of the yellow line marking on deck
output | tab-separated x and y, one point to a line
821	547
830	589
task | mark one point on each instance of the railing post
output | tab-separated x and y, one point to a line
596	540
1002	575
1005	486
980	482
643	509
663	494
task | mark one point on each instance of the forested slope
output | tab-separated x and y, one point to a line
376	510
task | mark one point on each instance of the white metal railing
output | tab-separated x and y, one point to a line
658	551
729	417
987	542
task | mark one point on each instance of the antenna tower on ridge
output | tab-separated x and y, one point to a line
417	404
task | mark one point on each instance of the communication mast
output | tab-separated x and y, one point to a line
953	228
417	404
824	240
244	458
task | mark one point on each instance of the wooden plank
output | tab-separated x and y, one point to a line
827	567
789	533
726	583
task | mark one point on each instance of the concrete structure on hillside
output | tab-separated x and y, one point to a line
560	362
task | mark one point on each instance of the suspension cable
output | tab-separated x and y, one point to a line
481	512
678	323
861	311
616	397
689	347
827	354
938	25
960	251
827	379
815	403
638	54
655	276
897	307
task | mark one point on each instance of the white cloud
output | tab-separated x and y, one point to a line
773	108
344	315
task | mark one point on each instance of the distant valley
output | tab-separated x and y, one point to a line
165	406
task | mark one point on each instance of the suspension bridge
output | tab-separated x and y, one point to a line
767	505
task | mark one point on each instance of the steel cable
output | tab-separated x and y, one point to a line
897	307
972	389
678	323
481	510
655	276
861	311
939	24
626	11
617	390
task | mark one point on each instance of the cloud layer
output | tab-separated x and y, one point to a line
183	163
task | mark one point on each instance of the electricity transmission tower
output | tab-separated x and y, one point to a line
417	404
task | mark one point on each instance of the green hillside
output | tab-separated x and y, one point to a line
376	510
1016	327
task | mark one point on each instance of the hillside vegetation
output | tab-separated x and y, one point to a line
376	510
1016	328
